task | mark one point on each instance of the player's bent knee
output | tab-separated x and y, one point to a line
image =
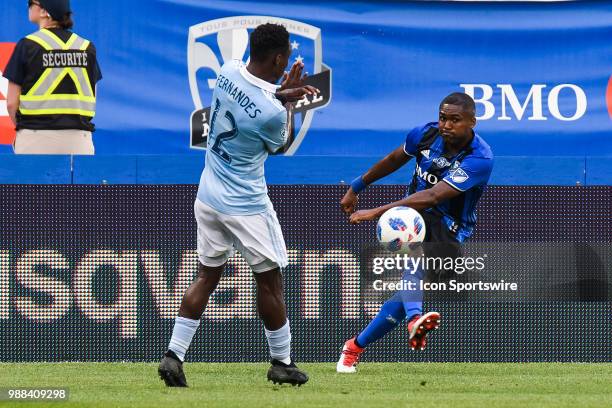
210	276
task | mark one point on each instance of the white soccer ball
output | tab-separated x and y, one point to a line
399	227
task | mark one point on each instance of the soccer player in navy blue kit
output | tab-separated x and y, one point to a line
452	170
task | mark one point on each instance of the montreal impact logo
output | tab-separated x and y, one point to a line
215	42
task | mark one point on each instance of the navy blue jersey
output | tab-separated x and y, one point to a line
467	172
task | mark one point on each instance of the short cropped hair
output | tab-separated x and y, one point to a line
268	39
460	99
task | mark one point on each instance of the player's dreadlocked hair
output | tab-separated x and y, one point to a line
460	99
268	39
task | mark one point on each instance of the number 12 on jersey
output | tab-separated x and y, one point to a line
222	137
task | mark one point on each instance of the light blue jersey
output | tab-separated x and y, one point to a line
247	123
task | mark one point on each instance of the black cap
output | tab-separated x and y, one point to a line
56	8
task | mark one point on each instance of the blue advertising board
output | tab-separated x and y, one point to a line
539	72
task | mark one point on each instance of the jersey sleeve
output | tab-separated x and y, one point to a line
274	131
414	138
473	172
95	71
15	69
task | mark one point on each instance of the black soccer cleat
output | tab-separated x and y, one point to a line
281	373
171	371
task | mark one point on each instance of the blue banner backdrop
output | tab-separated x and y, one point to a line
539	71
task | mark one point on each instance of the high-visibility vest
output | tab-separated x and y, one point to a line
41	99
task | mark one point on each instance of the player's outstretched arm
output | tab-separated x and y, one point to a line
419	201
391	163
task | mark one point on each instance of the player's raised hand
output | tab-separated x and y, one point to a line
295	94
349	201
294	78
364	215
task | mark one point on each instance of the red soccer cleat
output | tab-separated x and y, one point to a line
419	326
349	357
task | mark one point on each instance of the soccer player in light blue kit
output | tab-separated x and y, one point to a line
250	119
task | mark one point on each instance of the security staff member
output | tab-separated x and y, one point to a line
52	84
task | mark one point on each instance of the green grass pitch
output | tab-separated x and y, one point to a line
376	385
